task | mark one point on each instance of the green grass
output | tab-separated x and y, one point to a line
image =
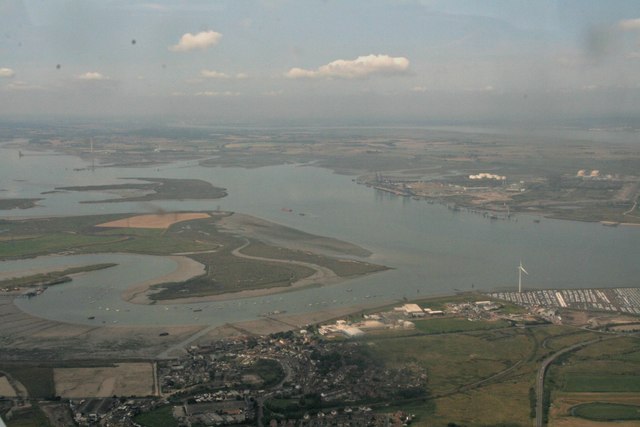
269	370
568	339
52	276
599	411
6	204
161	189
601	383
439	303
153	245
224	271
160	417
439	326
292	408
37	379
232	274
343	268
141	232
452	361
49	243
33	417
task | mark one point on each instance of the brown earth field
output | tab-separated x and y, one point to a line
124	379
154	221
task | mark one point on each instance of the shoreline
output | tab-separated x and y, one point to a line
249	226
186	269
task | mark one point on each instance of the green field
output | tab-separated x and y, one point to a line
439	326
270	371
33	417
456	363
453	361
38	380
599	411
343	268
160	417
158	189
601	383
6	204
37	279
227	273
565	340
200	238
51	243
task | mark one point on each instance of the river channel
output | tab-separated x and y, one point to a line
431	249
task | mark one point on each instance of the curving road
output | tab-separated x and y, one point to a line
321	275
543	369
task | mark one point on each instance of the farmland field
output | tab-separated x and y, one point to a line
607	411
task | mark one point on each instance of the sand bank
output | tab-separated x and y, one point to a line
154	221
186	269
138	294
255	228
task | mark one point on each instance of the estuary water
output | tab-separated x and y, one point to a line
431	249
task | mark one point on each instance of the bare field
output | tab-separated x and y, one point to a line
6	389
125	379
154	221
186	269
25	337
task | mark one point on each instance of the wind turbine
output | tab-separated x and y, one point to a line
520	271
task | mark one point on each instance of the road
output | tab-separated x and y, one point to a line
543	369
321	275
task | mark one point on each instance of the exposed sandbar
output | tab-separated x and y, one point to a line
185	270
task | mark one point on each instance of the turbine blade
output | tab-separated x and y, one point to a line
523	270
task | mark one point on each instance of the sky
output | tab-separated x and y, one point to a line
348	61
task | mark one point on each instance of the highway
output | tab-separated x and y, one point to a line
543	369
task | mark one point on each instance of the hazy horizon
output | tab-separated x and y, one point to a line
321	61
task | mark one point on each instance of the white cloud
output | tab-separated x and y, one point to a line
212	74
93	76
7	72
361	67
18	85
202	40
487	88
418	89
629	24
273	93
211	93
154	6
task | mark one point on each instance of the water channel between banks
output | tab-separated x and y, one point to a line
432	250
